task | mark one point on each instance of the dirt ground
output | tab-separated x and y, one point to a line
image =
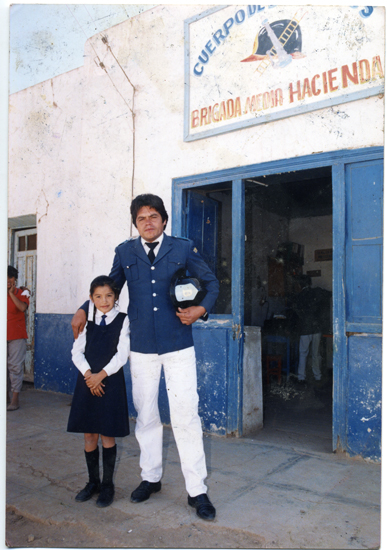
23	532
282	490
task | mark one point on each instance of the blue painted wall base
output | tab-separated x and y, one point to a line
55	371
364	420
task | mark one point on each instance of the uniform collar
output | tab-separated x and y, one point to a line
157	248
110	315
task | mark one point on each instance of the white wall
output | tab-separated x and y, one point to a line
45	130
72	164
315	234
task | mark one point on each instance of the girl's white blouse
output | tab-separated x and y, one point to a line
119	359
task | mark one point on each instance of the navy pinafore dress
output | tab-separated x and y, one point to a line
106	415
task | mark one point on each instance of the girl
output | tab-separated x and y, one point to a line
99	405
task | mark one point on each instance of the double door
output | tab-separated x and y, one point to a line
357	190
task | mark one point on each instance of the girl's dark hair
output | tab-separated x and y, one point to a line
153	201
12	272
104	280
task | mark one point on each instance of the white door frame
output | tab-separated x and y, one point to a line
25	262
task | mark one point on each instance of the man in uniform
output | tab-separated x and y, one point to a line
160	336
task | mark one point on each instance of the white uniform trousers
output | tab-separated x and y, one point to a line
16	354
181	383
305	341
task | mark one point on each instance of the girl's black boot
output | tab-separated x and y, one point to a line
106	495
93	485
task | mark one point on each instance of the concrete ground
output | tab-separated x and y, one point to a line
270	491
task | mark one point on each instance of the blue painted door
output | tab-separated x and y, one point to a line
202	226
219	342
363	305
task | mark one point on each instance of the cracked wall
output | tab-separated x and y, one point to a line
81	143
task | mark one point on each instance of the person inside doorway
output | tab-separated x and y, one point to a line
17	304
160	336
309	305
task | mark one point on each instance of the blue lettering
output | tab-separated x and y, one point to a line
205	55
240	17
210	48
218	35
221	35
228	24
196	71
366	12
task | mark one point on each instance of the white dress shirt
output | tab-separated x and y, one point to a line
119	359
156	248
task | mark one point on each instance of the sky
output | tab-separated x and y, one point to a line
39	42
48	39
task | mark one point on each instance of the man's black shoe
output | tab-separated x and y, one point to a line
204	508
106	495
86	493
144	491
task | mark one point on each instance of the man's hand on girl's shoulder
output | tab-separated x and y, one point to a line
78	323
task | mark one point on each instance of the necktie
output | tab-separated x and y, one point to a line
151	254
103	322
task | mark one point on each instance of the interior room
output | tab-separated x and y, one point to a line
288	236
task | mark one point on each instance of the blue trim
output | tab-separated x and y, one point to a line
274	167
205	13
286	113
235	380
178	213
340	372
337	160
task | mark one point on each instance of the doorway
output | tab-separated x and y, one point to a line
351	184
23	256
288	235
288	228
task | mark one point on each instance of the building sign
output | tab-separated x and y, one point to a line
251	64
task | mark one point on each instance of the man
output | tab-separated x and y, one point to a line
17	304
311	306
161	336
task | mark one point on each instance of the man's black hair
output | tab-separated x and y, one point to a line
153	201
12	272
104	280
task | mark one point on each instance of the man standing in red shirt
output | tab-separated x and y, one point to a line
17	303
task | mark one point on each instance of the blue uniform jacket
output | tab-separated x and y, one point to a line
154	326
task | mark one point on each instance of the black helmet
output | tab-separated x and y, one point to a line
292	45
185	291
